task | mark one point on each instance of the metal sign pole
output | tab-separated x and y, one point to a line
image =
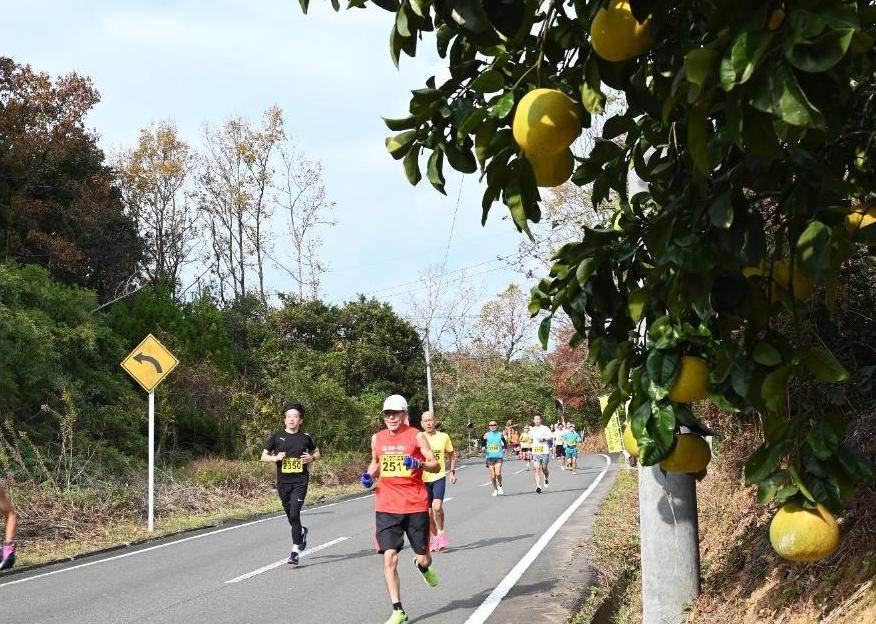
151	459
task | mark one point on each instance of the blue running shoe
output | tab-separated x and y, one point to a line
303	538
293	558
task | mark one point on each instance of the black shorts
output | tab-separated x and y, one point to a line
436	489
560	450
391	529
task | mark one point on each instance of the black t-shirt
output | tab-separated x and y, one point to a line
291	469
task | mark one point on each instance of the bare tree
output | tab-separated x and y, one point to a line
154	181
235	174
441	307
505	327
299	190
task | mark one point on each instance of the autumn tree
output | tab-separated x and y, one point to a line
504	327
155	180
234	199
59	207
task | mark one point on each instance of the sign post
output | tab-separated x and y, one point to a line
149	364
613	438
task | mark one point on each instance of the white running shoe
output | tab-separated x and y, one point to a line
500	491
495	493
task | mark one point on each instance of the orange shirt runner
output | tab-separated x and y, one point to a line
400	490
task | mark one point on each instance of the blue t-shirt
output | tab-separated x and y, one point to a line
572	438
494	443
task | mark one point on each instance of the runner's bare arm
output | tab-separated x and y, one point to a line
452	455
430	464
308	458
269	458
374	466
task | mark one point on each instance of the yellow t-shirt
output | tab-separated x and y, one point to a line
441	445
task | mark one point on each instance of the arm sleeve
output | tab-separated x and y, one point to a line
271	443
448	445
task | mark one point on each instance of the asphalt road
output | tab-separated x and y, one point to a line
235	574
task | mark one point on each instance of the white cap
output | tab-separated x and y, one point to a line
395	403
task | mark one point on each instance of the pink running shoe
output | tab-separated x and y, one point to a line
443	542
8	556
433	543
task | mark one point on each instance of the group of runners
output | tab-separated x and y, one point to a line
412	466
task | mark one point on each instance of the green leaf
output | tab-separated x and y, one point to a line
698	132
699	64
662	367
616	126
503	106
544	331
469	14
489	82
854	464
659	438
472	121
763	461
822	439
768	487
412	166
795	477
636	303
400	124
435	170
823	365
721	211
400	144
785	493
813	250
460	159
766	354
774	388
585	269
743	57
792	104
818	38
591	96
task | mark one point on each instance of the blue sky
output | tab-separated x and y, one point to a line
203	61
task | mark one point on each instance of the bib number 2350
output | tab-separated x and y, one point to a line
392	466
291	464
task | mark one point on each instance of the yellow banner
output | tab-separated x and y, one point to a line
613	436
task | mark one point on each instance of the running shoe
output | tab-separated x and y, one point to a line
293	558
398	616
547	483
429	576
443	541
538	490
8	559
303	538
495	493
500	491
434	543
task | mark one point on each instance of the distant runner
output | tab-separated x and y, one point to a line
293	451
511	437
559	441
494	450
526	446
436	482
541	436
572	438
7	554
399	454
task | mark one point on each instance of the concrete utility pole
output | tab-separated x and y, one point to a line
668	529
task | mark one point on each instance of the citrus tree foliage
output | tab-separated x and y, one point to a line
752	124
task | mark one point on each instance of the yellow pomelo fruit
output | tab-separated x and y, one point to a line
690	385
863	216
546	122
782	276
616	35
691	454
630	441
552	169
800	534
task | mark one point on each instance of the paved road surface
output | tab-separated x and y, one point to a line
231	575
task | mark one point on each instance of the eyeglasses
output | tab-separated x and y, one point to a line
493	425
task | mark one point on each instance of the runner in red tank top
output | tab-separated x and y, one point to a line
399	454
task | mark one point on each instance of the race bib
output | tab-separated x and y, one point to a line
392	466
539	449
292	464
493	448
439	455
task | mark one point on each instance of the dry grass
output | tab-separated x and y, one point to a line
57	523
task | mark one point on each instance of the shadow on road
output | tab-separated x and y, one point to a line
473	602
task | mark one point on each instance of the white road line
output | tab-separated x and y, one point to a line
448	499
180	541
492	601
483	484
521	470
271	566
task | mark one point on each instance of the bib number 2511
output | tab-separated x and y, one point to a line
392	466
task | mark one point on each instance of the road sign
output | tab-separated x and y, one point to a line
149	363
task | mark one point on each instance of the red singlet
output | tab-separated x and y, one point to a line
399	490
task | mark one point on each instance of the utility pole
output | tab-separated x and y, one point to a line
428	371
668	529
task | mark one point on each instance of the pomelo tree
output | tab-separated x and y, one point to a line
753	125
